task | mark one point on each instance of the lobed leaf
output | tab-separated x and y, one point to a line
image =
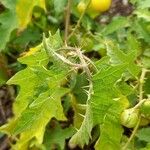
39	98
102	109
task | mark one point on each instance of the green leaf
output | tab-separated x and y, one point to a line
50	105
78	89
16	16
144	14
28	81
133	44
146	58
79	111
116	24
39	98
8	22
111	130
57	136
143	134
147	85
141	28
117	56
59	6
102	109
143	4
147	147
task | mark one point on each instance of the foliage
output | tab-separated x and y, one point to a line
77	79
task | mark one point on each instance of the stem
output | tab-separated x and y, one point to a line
144	71
141	101
67	20
75	49
132	135
67	61
86	69
2	112
79	21
139	104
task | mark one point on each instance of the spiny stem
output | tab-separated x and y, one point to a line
144	71
67	20
132	135
86	69
139	104
74	49
141	101
67	61
79	21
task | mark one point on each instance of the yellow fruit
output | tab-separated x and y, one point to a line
92	13
81	7
95	8
100	5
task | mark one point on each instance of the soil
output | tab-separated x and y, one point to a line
6	100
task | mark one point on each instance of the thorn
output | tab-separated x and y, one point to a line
86	86
82	105
86	91
44	68
76	129
81	115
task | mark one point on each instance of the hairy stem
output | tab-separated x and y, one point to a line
79	21
87	71
144	71
139	104
141	101
132	135
67	22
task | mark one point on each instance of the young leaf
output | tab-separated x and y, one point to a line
119	57
100	107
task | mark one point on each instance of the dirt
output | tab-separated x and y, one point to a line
120	7
6	100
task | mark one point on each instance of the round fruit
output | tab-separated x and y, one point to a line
81	7
129	117
92	13
144	121
100	5
145	108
